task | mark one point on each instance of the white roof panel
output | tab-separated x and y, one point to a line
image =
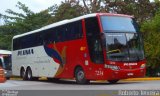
57	24
5	52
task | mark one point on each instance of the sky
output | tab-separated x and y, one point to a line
34	5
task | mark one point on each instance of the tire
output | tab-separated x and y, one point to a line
113	81
29	74
35	78
23	74
7	78
80	76
56	80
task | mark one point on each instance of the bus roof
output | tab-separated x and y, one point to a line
69	21
5	52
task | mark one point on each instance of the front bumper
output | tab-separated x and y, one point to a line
7	73
126	73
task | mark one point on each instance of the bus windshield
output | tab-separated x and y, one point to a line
118	24
7	62
123	41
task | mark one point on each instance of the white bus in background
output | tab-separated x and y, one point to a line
5	62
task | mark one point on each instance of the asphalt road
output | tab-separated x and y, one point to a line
71	85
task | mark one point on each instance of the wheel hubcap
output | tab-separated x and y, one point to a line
23	74
29	75
80	75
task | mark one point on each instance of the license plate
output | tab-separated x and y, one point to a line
130	74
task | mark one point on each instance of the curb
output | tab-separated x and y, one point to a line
143	79
136	79
130	79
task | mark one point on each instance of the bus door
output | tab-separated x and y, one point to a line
93	40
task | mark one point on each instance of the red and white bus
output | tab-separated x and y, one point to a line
99	46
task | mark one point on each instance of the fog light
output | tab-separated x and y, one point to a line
143	66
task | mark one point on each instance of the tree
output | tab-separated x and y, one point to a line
18	23
141	9
67	10
94	6
151	34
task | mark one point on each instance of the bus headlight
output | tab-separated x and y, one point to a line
143	66
5	72
113	67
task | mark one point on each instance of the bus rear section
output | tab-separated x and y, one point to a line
5	62
91	47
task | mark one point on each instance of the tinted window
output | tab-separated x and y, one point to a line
117	48
124	47
62	33
74	30
1	64
71	31
15	44
7	62
93	40
118	24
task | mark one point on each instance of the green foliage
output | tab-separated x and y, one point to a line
68	10
141	9
151	34
18	23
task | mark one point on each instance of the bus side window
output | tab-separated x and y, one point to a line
15	44
48	36
79	29
1	64
59	32
72	31
39	39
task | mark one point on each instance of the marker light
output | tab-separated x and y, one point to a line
143	66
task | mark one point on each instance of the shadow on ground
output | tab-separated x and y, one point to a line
73	82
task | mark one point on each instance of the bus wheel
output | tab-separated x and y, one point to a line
113	81
29	74
56	80
80	76
7	78
22	74
35	78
